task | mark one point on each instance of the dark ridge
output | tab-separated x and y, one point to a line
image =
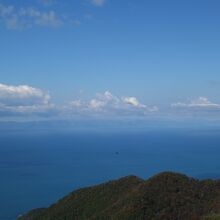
166	196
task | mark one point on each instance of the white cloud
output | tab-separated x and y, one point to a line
21	18
133	101
76	103
199	103
23	95
96	104
98	2
23	99
107	103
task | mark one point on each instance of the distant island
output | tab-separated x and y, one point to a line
166	196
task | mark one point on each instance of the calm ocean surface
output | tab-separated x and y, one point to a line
37	168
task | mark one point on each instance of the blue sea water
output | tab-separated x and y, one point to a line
37	168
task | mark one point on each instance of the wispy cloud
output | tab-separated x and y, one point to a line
42	13
21	18
199	103
47	2
98	2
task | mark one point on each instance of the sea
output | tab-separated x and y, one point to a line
40	166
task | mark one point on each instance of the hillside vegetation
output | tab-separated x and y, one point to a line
166	196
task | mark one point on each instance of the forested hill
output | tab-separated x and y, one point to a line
166	196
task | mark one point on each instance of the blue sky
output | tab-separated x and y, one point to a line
151	57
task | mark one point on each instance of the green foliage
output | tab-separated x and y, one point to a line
166	196
212	217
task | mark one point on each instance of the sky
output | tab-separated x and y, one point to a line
109	58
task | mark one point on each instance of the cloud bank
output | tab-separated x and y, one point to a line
25	100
